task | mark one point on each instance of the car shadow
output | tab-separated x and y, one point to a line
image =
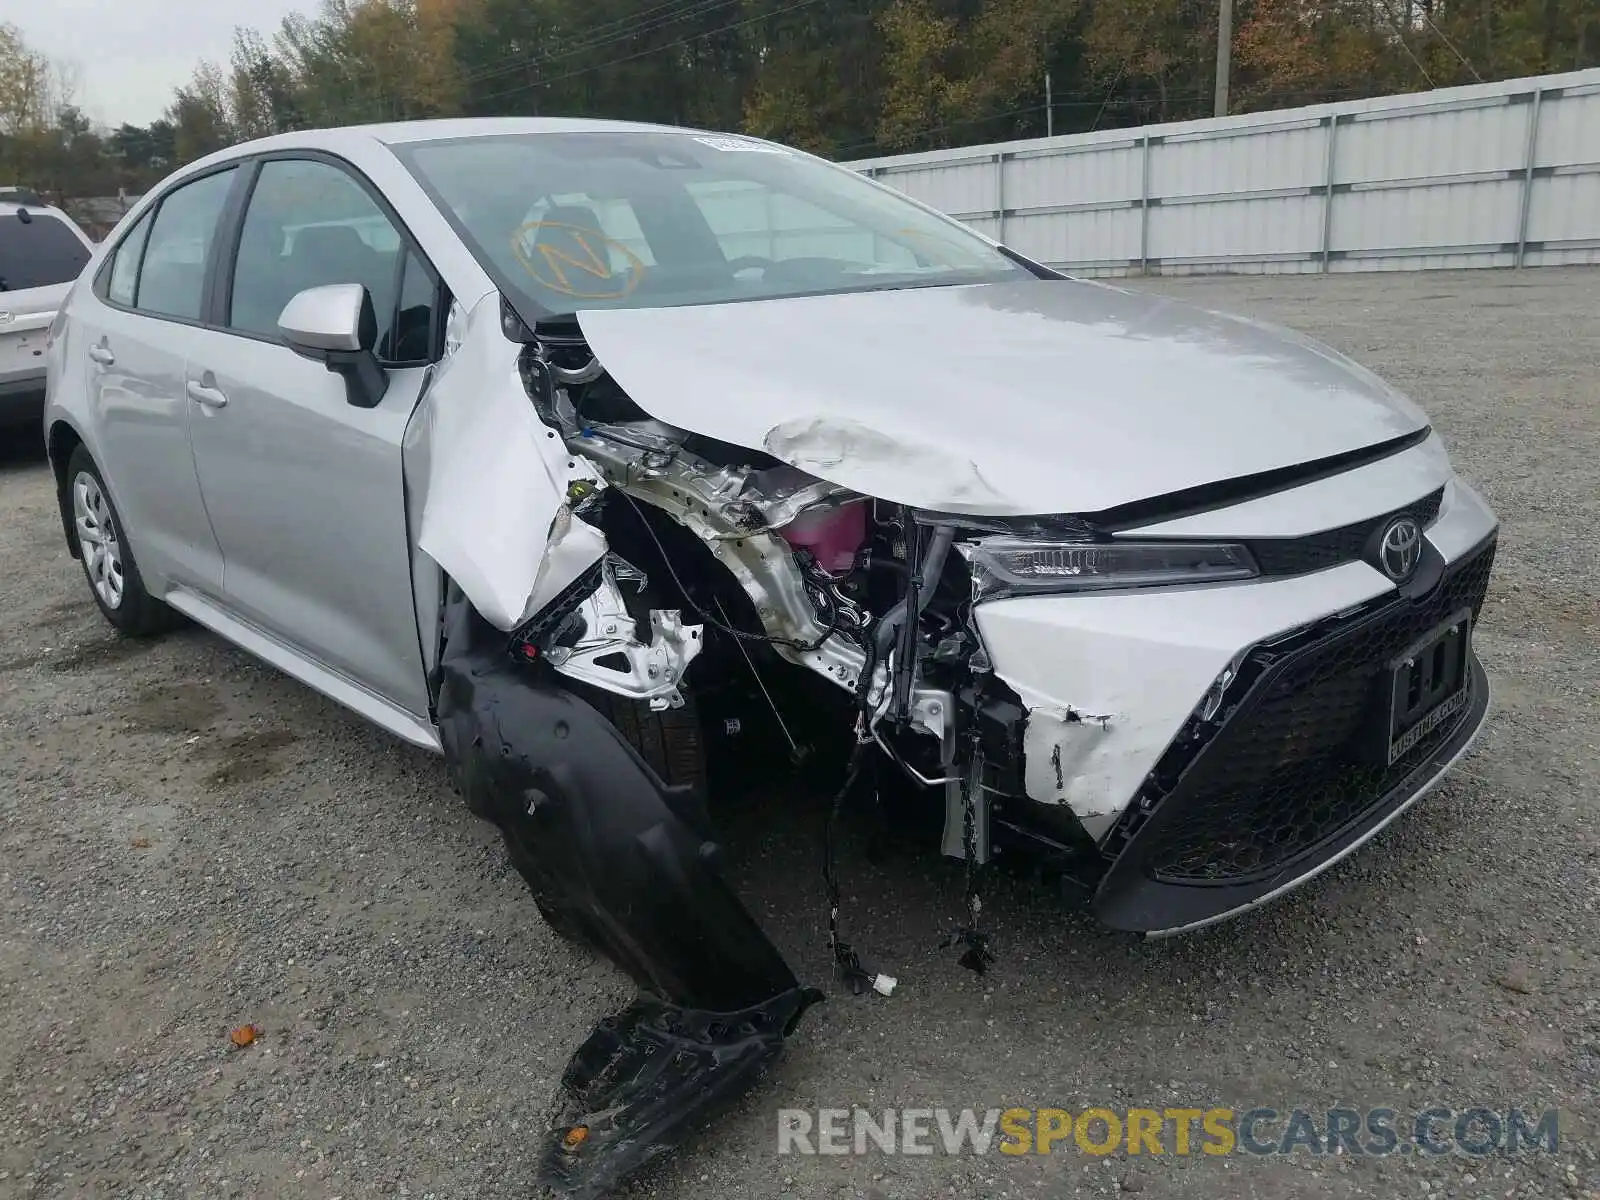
21	447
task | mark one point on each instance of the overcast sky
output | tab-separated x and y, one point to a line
129	55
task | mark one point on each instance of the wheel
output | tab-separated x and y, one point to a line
108	564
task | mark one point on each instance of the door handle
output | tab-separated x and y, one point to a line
209	396
102	355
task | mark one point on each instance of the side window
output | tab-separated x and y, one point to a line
124	276
408	338
309	224
173	279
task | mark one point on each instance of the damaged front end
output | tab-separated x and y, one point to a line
669	565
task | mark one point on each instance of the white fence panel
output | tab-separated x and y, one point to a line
1500	174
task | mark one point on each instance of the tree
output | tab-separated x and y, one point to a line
924	90
264	98
815	76
200	116
27	94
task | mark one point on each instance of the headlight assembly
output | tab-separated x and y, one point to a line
1019	567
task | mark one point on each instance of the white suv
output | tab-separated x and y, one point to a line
42	251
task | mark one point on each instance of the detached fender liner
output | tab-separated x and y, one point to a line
627	864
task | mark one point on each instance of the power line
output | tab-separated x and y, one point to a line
1399	35
684	41
1464	62
606	34
1093	100
1078	100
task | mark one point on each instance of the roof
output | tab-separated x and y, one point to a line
9	208
400	132
419	131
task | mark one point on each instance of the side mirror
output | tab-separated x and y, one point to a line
335	325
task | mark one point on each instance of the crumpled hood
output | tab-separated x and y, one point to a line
1045	396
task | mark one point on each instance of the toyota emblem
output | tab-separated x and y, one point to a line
1400	548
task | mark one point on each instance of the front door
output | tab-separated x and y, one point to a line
303	489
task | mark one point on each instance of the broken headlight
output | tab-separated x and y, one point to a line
1019	566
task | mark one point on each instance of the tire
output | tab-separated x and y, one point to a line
108	563
669	741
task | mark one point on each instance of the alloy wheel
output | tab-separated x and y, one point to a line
97	538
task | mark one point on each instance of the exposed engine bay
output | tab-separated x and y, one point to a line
873	597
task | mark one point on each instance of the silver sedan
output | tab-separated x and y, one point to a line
596	455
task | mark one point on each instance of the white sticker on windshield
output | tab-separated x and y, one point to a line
732	145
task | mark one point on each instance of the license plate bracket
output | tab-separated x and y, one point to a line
1427	683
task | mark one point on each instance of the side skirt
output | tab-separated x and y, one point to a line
414	729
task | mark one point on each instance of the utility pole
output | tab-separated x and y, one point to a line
1049	109
1224	53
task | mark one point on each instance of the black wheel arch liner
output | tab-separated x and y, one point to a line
631	860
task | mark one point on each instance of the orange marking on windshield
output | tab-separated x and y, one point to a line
587	252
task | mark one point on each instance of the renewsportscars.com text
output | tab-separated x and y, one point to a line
1260	1130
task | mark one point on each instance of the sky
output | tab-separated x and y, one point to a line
129	55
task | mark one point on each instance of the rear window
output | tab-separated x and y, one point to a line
38	252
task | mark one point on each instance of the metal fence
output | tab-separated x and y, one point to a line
1498	174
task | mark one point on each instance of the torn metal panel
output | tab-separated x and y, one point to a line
496	480
627	865
574	547
743	529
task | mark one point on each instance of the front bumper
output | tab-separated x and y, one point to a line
1287	786
1174	813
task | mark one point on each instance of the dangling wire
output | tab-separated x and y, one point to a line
976	954
848	964
855	975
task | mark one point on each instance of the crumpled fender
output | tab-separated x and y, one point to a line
627	865
495	480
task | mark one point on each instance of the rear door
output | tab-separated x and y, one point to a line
136	329
304	490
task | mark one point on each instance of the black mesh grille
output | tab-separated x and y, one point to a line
1318	551
1293	766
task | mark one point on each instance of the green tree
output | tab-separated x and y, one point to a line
200	116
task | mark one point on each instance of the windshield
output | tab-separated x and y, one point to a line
568	221
38	252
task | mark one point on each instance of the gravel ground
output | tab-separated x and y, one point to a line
190	841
